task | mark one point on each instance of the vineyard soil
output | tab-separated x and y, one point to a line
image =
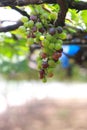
46	114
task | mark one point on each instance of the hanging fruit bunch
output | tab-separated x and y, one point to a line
40	29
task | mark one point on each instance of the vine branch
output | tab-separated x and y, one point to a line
11	27
64	6
78	5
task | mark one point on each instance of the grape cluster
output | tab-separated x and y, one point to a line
50	39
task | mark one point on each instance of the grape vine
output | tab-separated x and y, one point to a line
40	29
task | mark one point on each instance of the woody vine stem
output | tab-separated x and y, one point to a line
64	6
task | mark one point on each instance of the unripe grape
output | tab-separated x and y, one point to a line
48	37
26	24
58	62
30	23
51	46
41	38
59	41
24	19
51	63
50	70
38	34
44	80
38	25
57	46
45	50
22	29
39	64
45	43
62	35
38	59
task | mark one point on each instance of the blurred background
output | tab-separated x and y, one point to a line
28	104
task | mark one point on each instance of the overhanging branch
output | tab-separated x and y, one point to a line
64	6
18	2
78	5
11	27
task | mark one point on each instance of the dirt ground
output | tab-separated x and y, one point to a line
47	114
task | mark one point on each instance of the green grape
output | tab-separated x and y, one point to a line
48	37
41	38
50	70
38	34
30	23
38	59
58	46
51	63
62	35
45	50
45	43
51	46
22	29
26	24
50	52
39	64
30	41
60	41
24	19
58	62
38	25
44	80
